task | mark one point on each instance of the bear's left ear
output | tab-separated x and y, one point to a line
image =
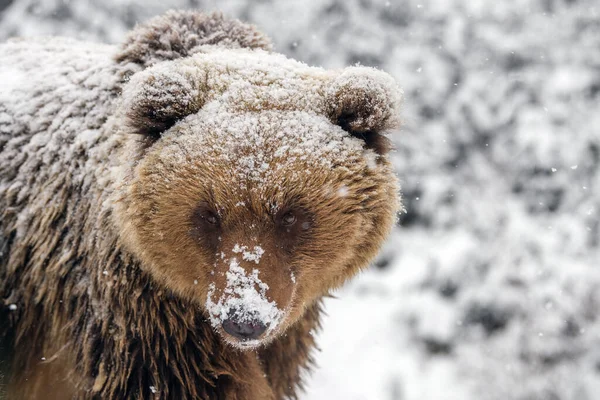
365	102
156	98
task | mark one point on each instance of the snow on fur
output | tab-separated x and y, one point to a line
244	298
248	255
234	88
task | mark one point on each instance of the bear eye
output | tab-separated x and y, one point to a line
204	216
205	227
288	219
210	217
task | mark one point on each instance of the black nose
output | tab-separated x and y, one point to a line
244	330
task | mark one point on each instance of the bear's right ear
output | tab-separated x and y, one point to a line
156	98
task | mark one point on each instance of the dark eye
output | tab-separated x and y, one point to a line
204	216
288	219
210	217
205	227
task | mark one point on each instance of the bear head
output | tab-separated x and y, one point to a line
258	184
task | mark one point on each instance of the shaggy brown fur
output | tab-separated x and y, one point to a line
133	185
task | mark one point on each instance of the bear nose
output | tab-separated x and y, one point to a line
244	330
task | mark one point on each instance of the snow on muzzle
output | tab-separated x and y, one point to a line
242	309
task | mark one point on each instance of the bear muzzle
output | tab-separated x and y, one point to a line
243	329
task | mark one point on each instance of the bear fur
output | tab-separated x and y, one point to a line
158	196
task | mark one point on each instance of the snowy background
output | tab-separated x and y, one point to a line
490	286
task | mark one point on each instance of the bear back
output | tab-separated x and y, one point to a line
178	34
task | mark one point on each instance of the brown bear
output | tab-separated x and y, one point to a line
173	209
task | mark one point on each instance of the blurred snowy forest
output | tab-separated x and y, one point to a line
490	286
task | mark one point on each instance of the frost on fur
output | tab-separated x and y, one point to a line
244	297
161	96
366	103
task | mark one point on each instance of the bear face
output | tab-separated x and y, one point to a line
260	183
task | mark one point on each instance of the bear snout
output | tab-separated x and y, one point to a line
243	329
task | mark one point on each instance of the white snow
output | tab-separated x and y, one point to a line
245	295
247	255
13	80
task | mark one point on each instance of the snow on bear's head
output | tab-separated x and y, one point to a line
260	183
